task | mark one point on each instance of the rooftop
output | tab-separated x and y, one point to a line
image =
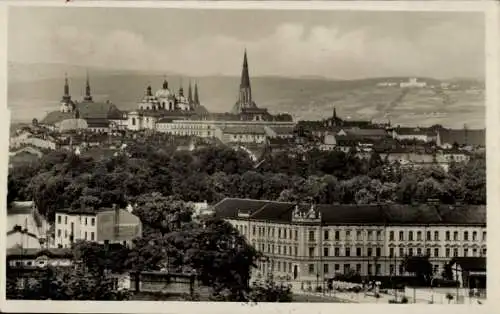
384	214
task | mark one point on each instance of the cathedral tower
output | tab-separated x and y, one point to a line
245	99
88	95
196	97
66	98
190	94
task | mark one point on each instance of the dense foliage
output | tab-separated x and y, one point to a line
61	179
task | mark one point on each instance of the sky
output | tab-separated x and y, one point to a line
331	44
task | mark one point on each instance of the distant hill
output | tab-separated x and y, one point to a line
35	89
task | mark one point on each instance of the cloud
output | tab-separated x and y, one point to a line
293	49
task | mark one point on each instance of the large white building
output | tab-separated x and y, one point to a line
313	243
111	225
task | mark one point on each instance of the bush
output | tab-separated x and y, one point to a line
393	301
318	289
404	300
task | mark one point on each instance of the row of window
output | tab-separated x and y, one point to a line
278	249
82	220
428	237
281	233
66	234
370	235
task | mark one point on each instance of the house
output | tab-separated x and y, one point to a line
469	271
36	258
113	225
25	226
367	133
417	134
280	131
242	134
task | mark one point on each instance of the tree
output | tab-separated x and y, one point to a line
419	266
270	291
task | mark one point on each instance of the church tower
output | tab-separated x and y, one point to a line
245	95
88	95
196	97
190	94
66	98
245	99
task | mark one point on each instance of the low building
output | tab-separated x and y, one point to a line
313	243
470	272
414	134
112	225
412	82
26	228
242	134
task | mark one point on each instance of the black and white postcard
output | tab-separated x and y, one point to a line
265	153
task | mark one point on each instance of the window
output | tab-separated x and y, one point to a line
428	252
284	250
311	268
337	267
347	268
484	251
358	268
85	235
66	233
401	269
92	236
92	221
379	235
296	235
326	235
391	236
85	221
455	236
337	251
311	235
391	269
401	252
410	236
466	236
401	236
391	252
59	233
428	236
325	268
370	266
484	235
447	252
253	230
436	235
419	235
290	234
410	251
370	235
296	251
347	251
325	251
377	269
311	251
279	234
378	252
66	220
419	251
358	251
337	235
436	252
348	235
474	252
455	252
369	251
466	252
358	235
447	236
58	219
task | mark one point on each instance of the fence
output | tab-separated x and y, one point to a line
443	295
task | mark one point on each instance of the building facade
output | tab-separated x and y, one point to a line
105	225
313	243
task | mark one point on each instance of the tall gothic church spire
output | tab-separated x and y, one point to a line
66	96
245	96
196	97
88	95
190	93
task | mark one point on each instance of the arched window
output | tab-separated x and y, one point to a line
133	121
